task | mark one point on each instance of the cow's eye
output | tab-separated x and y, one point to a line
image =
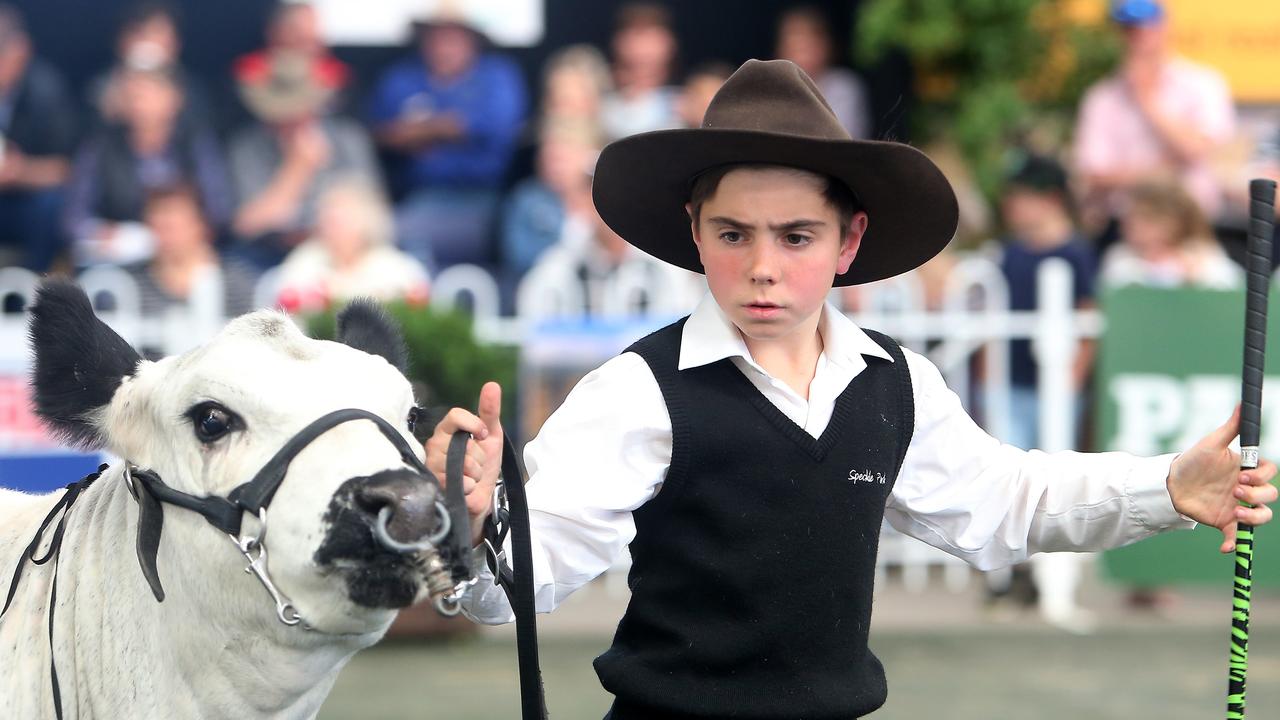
419	422
211	421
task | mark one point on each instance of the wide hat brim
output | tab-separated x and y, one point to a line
643	182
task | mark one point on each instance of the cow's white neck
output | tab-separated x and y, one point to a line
213	648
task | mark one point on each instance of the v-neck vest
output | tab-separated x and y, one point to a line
752	568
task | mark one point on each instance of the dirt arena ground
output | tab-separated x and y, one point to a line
946	657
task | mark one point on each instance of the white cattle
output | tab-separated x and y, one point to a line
203	423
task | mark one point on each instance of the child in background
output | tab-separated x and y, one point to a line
1167	242
1039	226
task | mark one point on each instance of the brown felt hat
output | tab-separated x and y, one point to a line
770	112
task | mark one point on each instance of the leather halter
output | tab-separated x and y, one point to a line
253	496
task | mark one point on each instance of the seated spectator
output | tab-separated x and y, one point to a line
700	86
539	207
644	53
575	80
122	163
281	162
293	28
1157	117
450	117
352	254
1165	241
804	38
185	281
37	138
592	265
149	37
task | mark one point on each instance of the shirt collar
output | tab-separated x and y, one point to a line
709	336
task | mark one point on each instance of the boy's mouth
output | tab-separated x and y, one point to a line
762	309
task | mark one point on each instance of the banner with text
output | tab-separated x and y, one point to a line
1168	373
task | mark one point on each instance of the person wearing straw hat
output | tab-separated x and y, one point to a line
283	161
747	454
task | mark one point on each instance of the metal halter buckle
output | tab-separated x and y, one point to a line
255	552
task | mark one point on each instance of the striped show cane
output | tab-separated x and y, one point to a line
1262	195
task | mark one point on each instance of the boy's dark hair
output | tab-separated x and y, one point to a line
838	195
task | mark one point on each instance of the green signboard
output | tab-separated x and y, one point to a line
1168	373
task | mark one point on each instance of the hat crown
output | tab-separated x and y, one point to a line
773	96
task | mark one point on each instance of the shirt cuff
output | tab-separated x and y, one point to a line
1148	494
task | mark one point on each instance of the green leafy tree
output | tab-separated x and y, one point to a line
988	72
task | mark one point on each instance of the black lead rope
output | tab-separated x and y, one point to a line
517	582
55	544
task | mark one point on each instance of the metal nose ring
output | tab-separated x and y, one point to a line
427	543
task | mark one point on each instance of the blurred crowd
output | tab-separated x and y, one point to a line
340	190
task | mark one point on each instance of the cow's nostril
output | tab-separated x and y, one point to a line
372	498
406	502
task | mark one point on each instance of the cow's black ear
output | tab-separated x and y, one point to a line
364	325
79	362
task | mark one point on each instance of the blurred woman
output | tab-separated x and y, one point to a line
539	207
1167	242
574	84
352	254
804	38
120	165
184	287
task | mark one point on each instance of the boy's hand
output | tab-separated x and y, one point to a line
1207	484
484	453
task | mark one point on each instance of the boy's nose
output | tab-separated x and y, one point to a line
764	266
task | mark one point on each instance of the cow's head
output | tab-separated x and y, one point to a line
208	420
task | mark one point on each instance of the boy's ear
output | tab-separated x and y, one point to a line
79	362
852	241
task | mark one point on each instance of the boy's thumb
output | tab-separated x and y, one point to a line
490	408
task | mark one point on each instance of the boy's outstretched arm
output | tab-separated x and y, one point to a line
483	463
1207	485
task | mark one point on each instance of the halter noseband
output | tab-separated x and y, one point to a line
255	495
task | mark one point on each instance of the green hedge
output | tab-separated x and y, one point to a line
446	363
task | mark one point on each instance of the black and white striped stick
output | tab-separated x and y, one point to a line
1262	195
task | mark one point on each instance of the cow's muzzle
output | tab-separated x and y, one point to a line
404	509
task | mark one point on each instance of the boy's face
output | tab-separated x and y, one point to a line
771	247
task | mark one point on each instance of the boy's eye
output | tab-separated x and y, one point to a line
795	239
731	236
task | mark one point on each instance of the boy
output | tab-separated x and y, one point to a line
748	453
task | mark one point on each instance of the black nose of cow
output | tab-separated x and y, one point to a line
404	504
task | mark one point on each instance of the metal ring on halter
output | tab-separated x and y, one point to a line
390	543
448	605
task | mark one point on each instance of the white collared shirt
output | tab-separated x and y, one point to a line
606	450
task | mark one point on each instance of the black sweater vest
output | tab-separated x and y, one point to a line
753	566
